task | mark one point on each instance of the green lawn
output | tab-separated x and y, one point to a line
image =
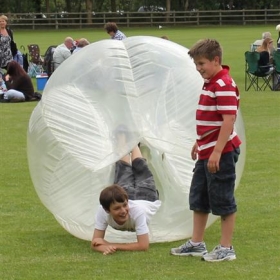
34	246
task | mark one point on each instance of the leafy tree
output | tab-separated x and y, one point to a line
37	6
47	6
113	6
89	5
4	6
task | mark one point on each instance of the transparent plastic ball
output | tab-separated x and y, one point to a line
150	86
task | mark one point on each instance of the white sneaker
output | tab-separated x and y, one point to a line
188	249
220	254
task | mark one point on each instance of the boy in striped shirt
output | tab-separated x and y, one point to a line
217	150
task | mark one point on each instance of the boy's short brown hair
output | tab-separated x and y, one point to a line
206	48
111	27
111	194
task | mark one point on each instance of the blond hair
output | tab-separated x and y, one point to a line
265	45
266	34
82	42
4	17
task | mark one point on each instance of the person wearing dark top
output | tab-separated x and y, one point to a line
6	37
265	61
19	84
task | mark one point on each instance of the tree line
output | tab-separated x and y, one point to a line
58	6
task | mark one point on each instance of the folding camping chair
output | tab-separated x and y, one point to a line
258	77
276	74
36	61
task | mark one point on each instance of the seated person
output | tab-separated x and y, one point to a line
19	84
266	60
80	44
3	87
127	205
19	58
258	43
112	29
62	52
164	37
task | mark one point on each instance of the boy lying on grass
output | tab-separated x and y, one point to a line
127	205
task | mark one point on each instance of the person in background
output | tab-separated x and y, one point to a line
5	43
3	87
265	48
164	37
19	58
19	84
266	58
217	149
62	52
112	29
80	44
259	42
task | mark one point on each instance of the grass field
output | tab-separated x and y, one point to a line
34	246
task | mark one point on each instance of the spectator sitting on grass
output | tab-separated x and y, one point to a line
19	84
62	52
113	31
80	44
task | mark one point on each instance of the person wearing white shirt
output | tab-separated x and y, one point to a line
127	205
62	52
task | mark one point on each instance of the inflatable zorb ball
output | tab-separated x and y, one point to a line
147	86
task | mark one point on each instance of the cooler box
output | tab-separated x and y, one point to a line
41	81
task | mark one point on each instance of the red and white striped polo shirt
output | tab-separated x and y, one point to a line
220	96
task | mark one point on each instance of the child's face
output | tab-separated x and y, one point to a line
119	211
207	69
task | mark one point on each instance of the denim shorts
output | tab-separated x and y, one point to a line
136	179
214	192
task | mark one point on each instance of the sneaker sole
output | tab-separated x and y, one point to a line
229	258
189	254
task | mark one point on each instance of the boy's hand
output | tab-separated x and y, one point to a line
213	164
194	151
103	246
224	134
109	249
99	241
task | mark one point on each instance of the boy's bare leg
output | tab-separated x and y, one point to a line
136	153
199	224
126	159
227	227
121	143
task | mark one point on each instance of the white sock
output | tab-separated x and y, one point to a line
223	247
194	243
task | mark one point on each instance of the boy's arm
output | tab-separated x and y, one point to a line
99	244
225	131
142	244
194	151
